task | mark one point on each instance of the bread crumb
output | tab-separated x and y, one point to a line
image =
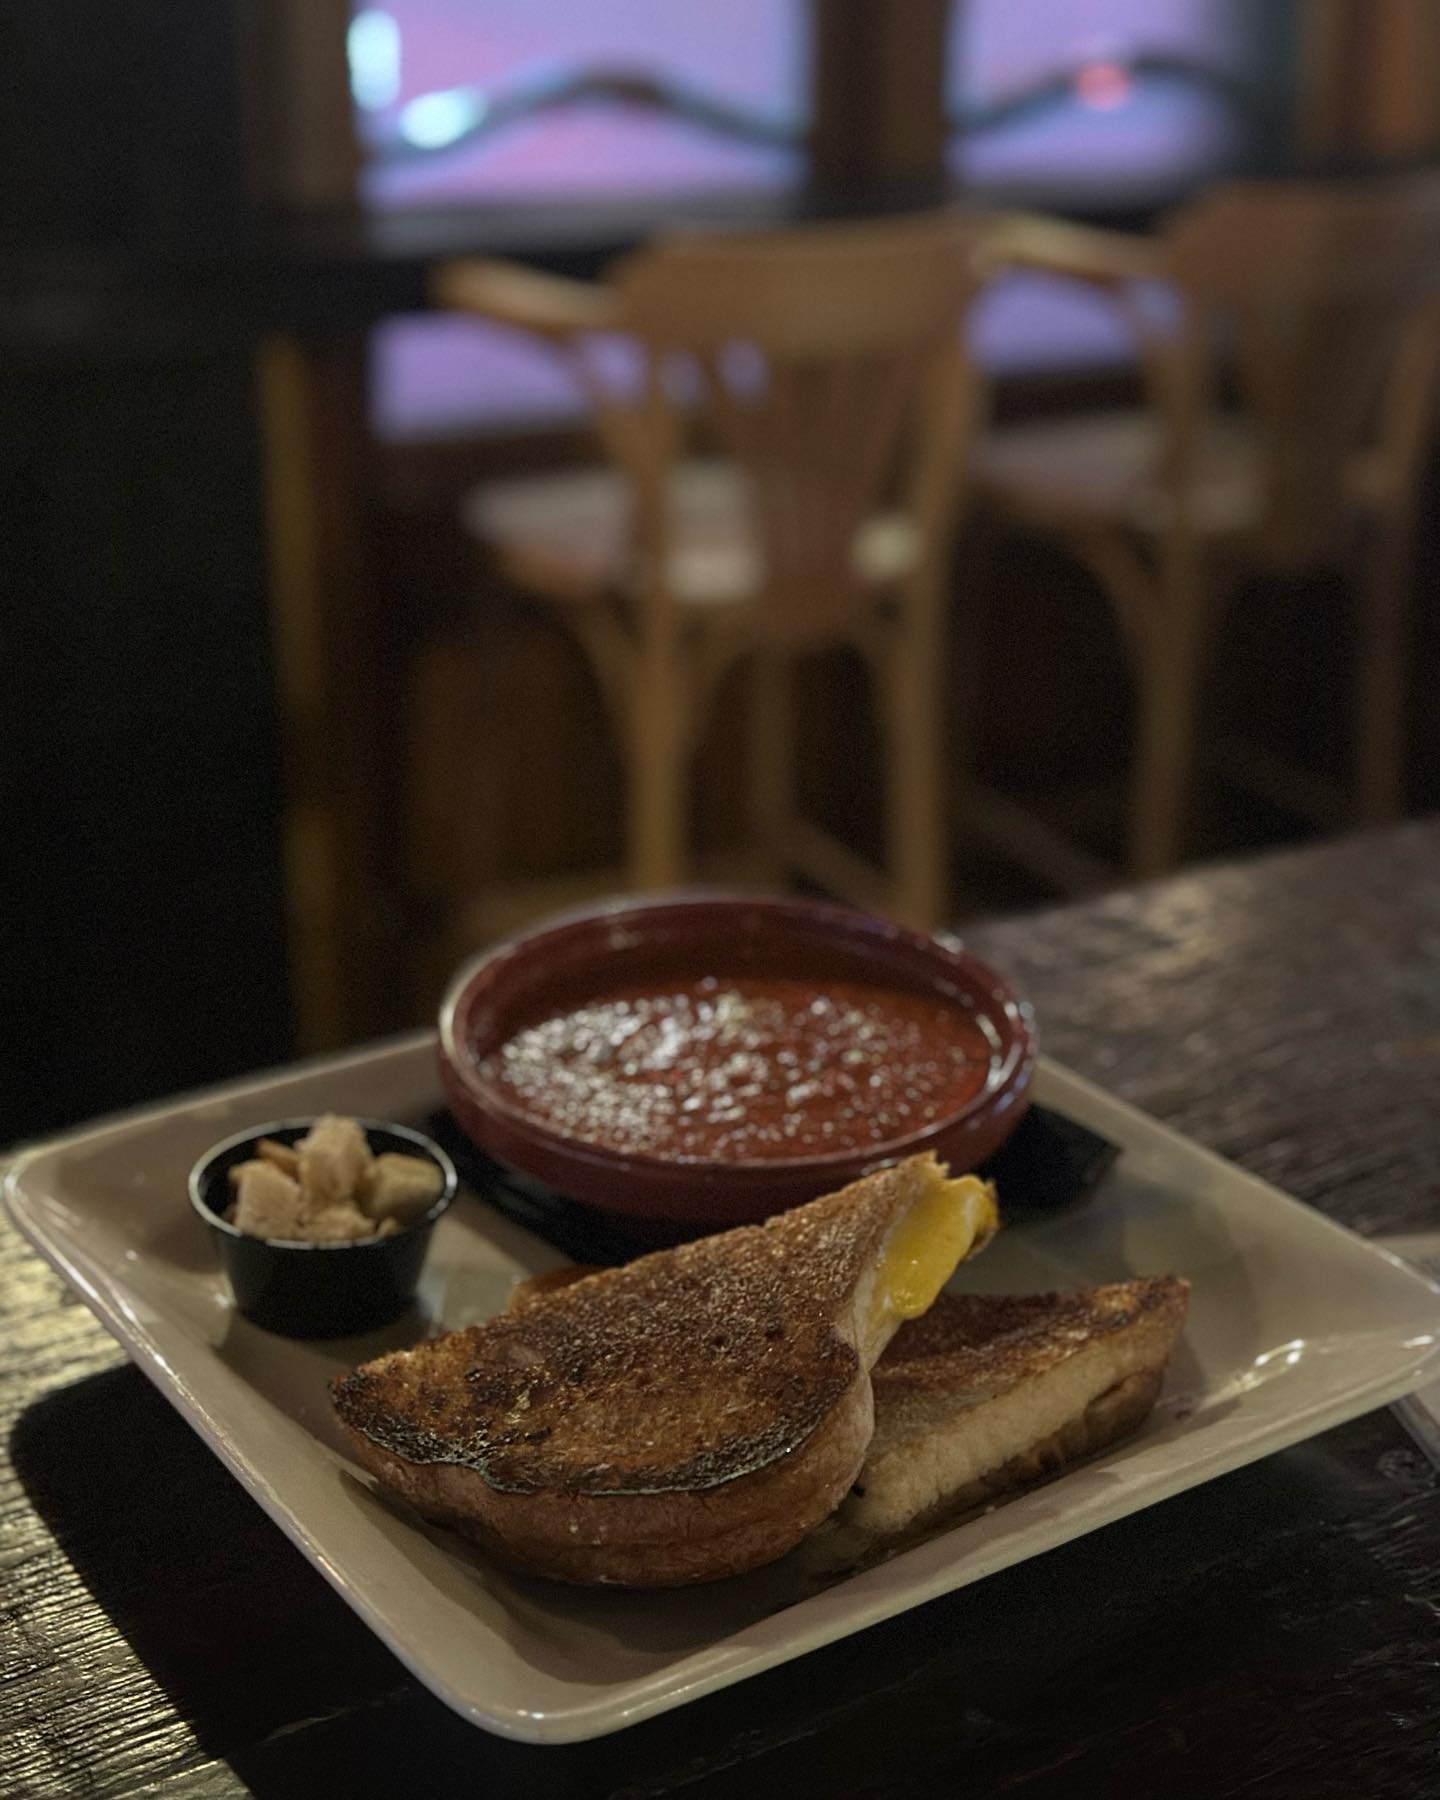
335	1163
401	1187
337	1224
268	1203
284	1156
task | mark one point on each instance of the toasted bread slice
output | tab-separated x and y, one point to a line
688	1416
987	1393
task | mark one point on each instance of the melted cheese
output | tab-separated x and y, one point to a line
945	1225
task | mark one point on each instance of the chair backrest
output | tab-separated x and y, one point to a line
827	363
1313	287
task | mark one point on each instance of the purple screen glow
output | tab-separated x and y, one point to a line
1111	124
753	52
1118	129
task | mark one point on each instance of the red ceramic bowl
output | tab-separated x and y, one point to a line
571	959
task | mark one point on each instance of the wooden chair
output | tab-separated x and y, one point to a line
1316	301
824	373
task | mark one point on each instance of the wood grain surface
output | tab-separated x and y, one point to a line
1275	1633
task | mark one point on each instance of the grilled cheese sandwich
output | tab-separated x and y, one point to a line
691	1415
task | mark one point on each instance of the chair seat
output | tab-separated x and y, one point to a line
569	535
1101	467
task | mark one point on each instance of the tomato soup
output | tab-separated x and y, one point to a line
743	1070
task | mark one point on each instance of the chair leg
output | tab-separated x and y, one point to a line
916	813
1380	692
1168	675
772	756
657	747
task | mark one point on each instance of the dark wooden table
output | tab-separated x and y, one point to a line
1274	1633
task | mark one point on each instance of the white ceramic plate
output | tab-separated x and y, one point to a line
1295	1325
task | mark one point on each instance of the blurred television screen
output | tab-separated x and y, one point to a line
1052	102
1105	99
515	99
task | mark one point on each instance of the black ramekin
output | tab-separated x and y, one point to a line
318	1290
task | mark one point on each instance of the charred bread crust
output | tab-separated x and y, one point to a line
536	1289
666	1539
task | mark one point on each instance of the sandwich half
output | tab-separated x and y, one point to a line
986	1394
689	1416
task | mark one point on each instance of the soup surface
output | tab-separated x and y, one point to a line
745	1069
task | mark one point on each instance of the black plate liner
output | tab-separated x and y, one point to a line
1048	1163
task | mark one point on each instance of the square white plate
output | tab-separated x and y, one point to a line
1295	1325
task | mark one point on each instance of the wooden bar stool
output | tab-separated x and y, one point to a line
1318	299
821	374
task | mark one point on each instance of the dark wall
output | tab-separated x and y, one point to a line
140	899
122	119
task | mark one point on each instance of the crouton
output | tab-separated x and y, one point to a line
401	1187
334	1163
